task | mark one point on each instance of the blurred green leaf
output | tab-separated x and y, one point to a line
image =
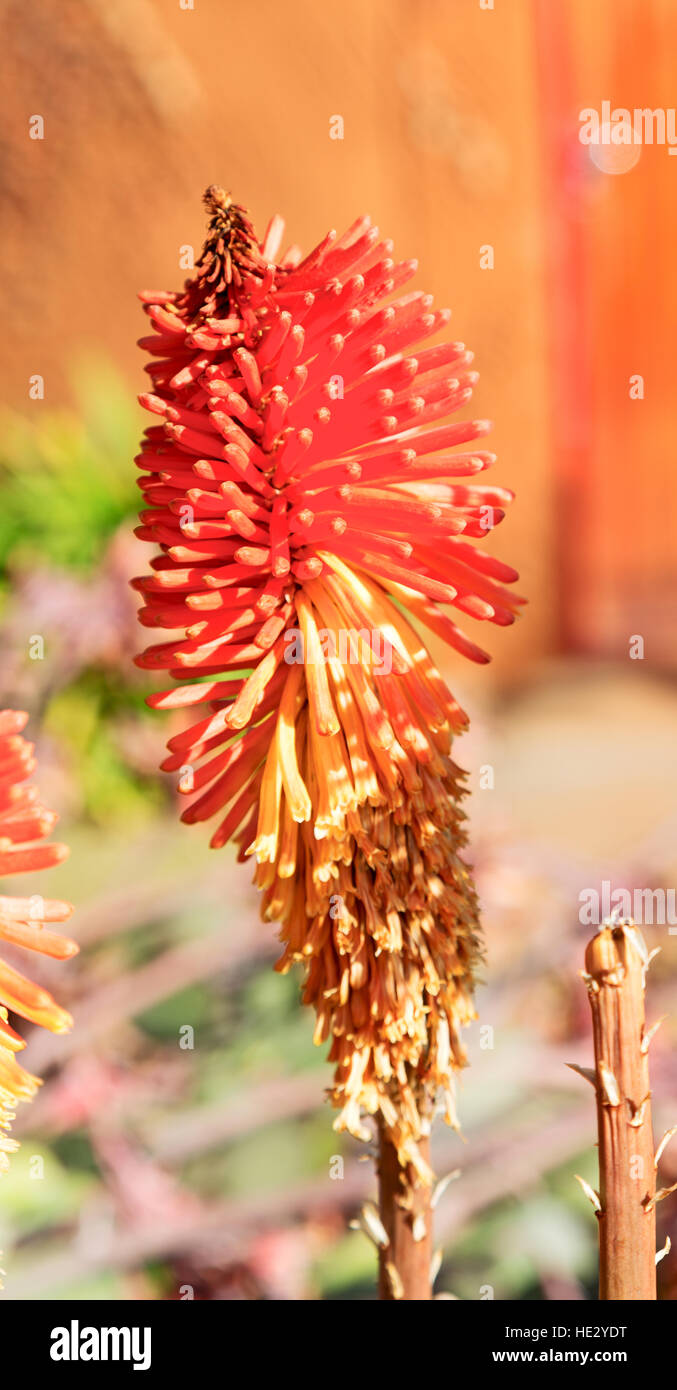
38	1190
66	476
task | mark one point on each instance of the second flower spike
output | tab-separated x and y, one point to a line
25	922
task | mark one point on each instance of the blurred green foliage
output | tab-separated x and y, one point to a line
69	489
82	719
66	475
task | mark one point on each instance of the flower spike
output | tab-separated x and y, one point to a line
313	512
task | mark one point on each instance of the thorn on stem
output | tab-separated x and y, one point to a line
441	1186
396	1286
588	1073
664	1143
638	1111
646	1037
590	1193
370	1222
660	1254
664	1192
612	1095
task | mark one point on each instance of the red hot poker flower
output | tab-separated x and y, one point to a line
311	507
24	824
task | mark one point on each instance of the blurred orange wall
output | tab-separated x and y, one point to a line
612	308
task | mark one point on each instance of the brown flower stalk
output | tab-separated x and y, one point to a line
615	970
406	1215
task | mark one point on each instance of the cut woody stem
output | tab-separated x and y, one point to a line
615	969
406	1215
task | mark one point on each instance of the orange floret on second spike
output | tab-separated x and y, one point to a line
24	824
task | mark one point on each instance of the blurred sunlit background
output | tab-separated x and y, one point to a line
171	1171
